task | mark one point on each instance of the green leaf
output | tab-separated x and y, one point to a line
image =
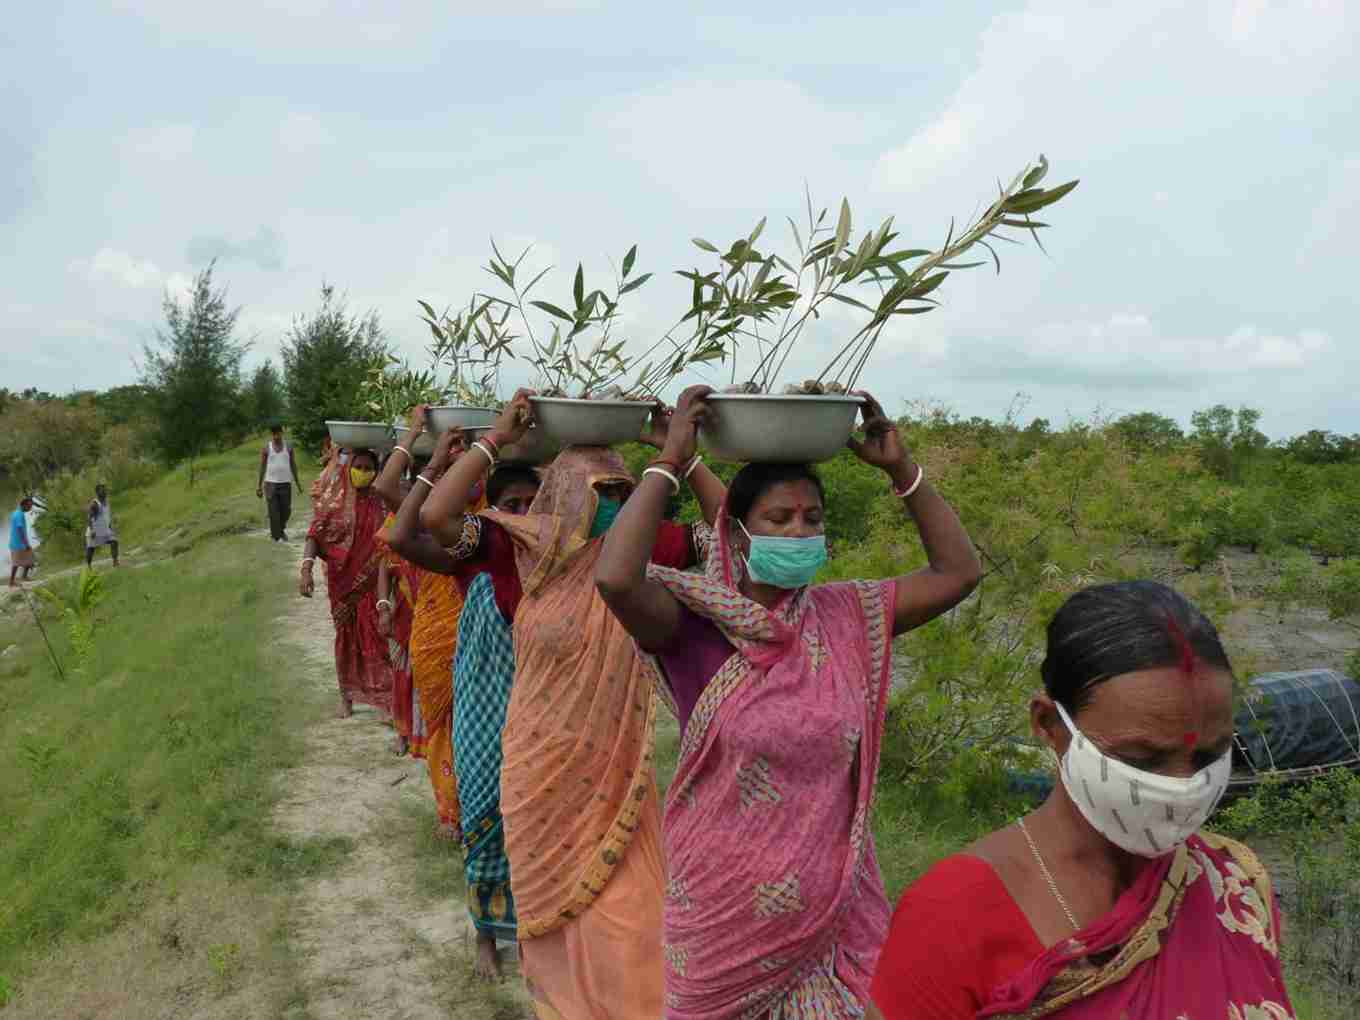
912	310
578	288
1034	199
1037	174
628	261
1007	221
842	227
909	253
635	284
797	237
705	245
428	310
962	265
928	284
846	299
760	228
552	309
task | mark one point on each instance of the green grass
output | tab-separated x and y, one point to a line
170	515
151	771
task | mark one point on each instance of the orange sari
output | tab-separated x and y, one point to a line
578	792
434	635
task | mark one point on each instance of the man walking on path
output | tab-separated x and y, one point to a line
20	543
278	473
100	532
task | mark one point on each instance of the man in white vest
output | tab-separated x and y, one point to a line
278	474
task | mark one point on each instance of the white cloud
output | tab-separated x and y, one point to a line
1067	77
746	144
166	143
301	132
113	265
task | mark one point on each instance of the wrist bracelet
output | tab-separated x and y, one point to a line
657	469
910	490
383	602
403	450
495	446
692	465
422	478
485	451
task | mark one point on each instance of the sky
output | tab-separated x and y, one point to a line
1208	255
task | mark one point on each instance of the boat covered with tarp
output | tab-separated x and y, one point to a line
1288	726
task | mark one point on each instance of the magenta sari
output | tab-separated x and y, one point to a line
774	903
1196	933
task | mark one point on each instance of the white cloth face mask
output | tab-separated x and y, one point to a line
1145	813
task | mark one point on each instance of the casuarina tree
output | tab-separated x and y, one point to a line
194	372
326	358
266	396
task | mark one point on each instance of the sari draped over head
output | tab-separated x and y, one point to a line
774	904
579	727
405	586
345	526
1197	935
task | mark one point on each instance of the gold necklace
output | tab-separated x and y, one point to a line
1048	876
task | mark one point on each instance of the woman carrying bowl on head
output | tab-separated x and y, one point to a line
483	674
578	794
346	516
774	903
1107	901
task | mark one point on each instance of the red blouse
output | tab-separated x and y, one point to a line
955	936
486	548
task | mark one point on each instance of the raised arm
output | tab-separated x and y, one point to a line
952	569
406	537
647	610
442	514
708	487
388	483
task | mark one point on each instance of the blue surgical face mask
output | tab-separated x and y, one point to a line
604	516
784	562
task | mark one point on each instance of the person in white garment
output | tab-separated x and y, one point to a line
278	475
100	531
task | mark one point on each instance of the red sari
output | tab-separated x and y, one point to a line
1197	935
345	525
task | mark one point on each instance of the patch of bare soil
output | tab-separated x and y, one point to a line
372	938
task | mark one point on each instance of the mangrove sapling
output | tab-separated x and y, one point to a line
576	352
763	302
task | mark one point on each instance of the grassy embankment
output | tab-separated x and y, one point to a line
137	864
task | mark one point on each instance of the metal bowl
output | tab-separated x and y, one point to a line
535	448
441	419
778	428
362	435
573	422
423	446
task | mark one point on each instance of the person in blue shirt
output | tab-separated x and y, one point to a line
20	543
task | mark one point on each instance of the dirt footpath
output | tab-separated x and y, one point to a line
385	935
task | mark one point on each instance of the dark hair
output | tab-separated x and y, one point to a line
751	482
506	475
275	428
364	452
1111	629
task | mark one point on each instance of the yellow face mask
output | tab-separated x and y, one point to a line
361	478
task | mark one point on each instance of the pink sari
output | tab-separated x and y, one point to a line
774	903
1197	932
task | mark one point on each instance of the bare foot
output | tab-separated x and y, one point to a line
443	830
487	966
346	709
399	746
